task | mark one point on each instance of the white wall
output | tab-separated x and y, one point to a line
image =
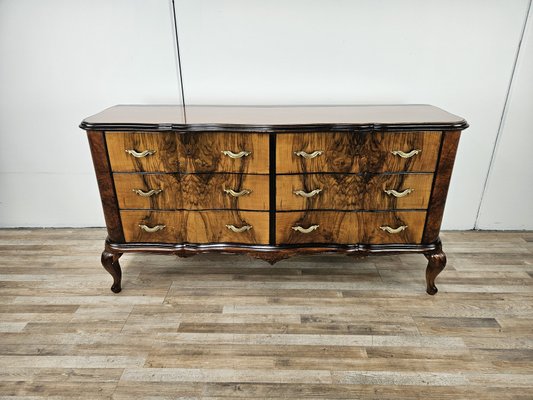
64	60
508	200
60	61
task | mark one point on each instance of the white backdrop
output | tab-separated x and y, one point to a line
65	59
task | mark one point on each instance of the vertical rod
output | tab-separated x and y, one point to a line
180	73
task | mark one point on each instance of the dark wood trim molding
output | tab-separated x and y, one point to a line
270	253
106	185
348	128
443	173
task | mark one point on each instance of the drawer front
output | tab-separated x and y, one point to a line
195	226
192	191
142	151
349	227
188	152
357	152
353	192
210	152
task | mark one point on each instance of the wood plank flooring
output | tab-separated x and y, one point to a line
214	326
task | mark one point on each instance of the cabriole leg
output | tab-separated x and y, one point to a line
111	265
436	263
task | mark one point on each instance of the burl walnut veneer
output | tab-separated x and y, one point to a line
273	182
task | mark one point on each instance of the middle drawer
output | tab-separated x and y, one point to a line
353	192
192	191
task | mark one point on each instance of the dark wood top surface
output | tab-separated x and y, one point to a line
273	118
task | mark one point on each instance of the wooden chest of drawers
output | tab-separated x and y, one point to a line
273	182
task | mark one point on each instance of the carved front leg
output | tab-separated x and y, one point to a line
110	263
436	263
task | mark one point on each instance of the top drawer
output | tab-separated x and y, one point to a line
188	152
357	152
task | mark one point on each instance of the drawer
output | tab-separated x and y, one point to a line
142	151
357	152
192	191
188	152
353	192
195	226
349	227
210	152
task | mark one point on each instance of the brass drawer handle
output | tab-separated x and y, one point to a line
308	156
393	230
305	230
142	154
233	193
400	153
240	154
152	229
243	228
392	192
304	194
149	193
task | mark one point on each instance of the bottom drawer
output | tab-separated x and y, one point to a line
350	227
195	226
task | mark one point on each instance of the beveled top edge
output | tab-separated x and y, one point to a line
273	118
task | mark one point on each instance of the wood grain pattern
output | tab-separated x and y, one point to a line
105	185
353	192
349	227
226	327
358	152
192	191
202	152
196	226
188	153
450	142
164	159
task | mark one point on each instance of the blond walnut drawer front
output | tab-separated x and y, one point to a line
349	227
274	182
359	152
195	226
188	152
192	191
353	192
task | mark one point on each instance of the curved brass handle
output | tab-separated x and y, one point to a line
152	229
308	156
233	193
305	230
304	194
400	153
392	192
142	154
240	154
149	193
243	228
393	230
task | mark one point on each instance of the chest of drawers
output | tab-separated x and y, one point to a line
273	182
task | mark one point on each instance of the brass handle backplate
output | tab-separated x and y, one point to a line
393	230
305	230
312	193
153	229
308	156
400	153
240	154
149	193
392	192
243	228
142	154
233	193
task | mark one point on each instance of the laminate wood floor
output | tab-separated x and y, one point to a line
216	326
